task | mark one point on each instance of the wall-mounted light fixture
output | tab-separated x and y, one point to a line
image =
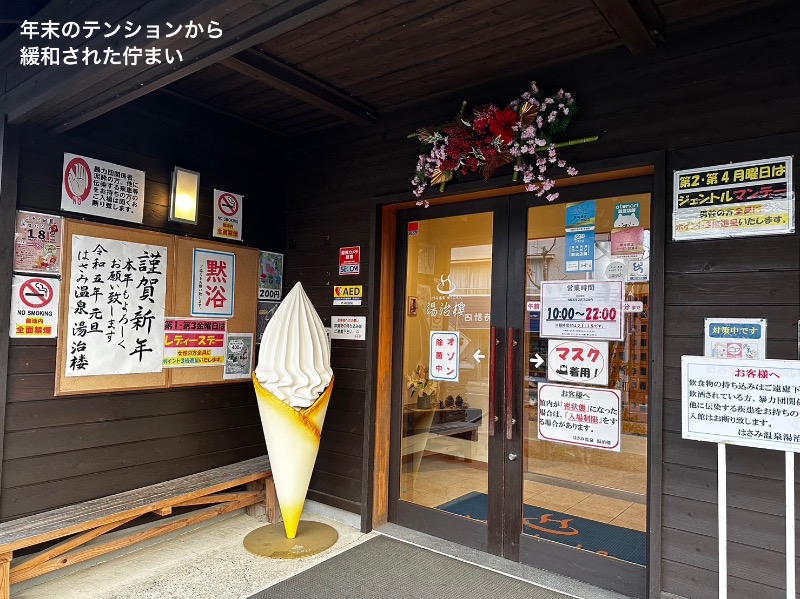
183	196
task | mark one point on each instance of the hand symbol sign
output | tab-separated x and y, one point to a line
78	182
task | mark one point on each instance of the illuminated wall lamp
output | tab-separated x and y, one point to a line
183	196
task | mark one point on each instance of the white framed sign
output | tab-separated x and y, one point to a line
755	403
582	310
99	188
445	355
213	283
574	361
116	294
353	328
583	416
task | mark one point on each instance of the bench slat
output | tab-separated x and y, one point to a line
71	519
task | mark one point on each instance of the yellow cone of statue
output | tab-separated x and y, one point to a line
293	381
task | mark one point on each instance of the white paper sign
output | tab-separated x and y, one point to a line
34	306
580	416
99	188
581	362
445	355
227	215
582	309
115	318
239	356
736	338
353	328
755	403
213	282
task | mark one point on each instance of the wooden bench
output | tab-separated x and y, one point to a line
78	524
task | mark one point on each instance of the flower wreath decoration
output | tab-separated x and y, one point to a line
522	133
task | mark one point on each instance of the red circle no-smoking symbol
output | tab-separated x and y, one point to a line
77	180
36	293
228	204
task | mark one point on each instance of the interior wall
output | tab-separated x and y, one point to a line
728	94
63	450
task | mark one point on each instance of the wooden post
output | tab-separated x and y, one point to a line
271	501
269	508
257	510
5	577
9	174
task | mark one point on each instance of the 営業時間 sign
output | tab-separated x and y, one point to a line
734	200
582	310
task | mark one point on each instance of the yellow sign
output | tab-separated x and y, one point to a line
347	291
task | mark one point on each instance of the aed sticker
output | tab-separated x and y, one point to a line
347	295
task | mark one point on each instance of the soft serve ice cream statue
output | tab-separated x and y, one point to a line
293	381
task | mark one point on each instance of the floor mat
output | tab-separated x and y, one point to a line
385	568
606	539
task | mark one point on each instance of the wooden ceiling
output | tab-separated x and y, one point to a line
297	67
377	56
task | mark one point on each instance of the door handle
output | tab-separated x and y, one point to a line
493	343
510	344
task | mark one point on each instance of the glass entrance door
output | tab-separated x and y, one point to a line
448	371
585	387
521	380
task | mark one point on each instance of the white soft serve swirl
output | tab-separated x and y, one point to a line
294	363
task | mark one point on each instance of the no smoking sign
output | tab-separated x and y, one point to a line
36	293
34	306
228	204
227	215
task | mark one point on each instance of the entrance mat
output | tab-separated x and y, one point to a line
389	569
605	539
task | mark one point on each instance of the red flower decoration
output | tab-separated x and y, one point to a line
501	124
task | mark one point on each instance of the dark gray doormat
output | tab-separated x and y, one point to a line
384	568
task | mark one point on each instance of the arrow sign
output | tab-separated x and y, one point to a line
478	356
537	360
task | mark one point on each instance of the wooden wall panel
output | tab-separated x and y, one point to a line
68	449
695	99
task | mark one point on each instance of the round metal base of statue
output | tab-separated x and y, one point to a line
270	541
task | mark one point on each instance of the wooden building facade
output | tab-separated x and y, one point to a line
334	171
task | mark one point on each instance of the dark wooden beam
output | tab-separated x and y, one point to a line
9	170
225	113
270	71
59	99
625	20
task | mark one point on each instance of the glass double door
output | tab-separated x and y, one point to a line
521	374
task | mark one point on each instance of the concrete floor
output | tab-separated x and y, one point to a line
206	562
209	562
